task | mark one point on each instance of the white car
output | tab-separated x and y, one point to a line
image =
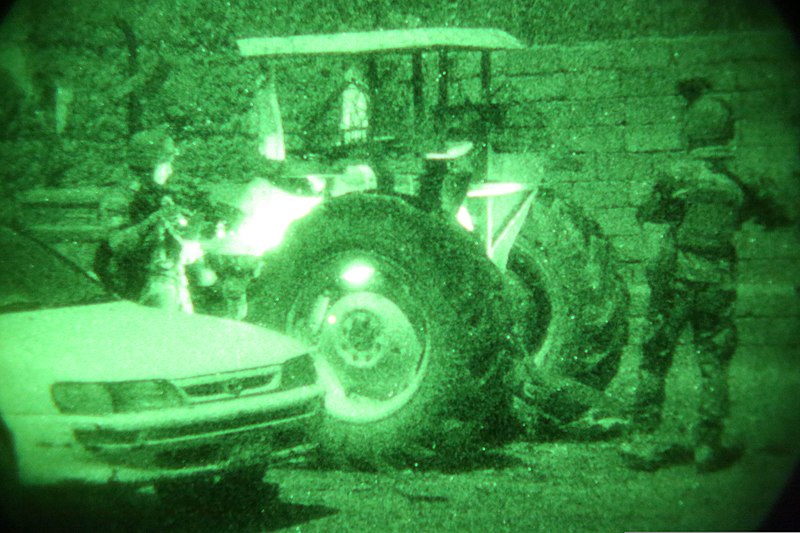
96	389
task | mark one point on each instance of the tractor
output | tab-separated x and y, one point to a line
440	283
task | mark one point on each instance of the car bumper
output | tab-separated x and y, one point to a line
169	443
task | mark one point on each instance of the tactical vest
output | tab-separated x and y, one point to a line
710	217
704	235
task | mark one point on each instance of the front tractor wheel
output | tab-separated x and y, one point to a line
405	312
371	336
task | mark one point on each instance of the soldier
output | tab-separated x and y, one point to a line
143	258
692	282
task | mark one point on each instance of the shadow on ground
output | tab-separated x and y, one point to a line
240	508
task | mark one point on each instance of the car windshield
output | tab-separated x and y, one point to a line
32	276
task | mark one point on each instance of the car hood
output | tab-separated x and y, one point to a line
123	341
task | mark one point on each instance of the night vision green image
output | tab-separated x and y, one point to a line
437	265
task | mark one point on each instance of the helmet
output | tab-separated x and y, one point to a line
147	149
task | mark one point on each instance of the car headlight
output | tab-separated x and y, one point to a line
82	398
107	398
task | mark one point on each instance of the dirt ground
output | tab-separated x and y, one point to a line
550	487
557	487
585	486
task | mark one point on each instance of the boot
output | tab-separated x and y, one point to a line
710	454
713	458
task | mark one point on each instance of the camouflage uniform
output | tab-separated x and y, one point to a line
693	283
135	253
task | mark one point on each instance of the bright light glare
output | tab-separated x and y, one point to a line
220	230
494	189
269	213
272	147
317	183
358	274
191	252
463	217
162	173
331	319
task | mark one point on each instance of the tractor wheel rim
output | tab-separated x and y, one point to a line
371	342
359	338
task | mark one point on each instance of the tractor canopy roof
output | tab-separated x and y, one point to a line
370	42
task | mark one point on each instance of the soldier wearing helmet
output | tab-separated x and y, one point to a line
692	283
133	211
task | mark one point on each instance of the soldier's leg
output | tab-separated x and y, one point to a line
715	342
668	315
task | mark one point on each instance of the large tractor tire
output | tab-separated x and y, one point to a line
408	319
572	306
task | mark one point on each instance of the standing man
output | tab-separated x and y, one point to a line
692	283
143	258
355	108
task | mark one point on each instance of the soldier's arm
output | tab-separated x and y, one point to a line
127	240
761	204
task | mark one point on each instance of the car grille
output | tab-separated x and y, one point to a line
99	438
274	430
230	385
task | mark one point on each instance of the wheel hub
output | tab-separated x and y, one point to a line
361	341
371	355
